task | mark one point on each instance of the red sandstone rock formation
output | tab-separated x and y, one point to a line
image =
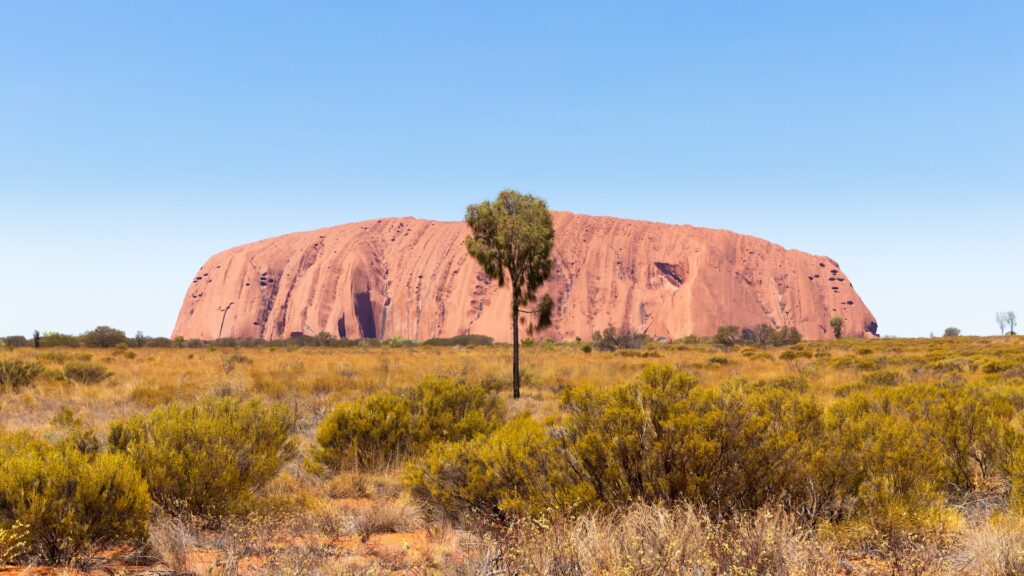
413	279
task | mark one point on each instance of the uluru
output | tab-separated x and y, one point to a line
413	279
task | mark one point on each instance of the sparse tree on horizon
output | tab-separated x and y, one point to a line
1001	320
512	240
35	338
951	332
837	326
1011	322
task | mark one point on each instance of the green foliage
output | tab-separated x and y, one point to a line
385	426
518	470
883	378
794	353
16	341
75	434
461	340
16	374
877	463
766	335
70	501
104	337
663	438
512	239
837	322
971	425
55	339
367	433
615	339
1015	473
997	366
85	373
451	410
727	335
209	458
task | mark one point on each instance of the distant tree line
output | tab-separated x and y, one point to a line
108	337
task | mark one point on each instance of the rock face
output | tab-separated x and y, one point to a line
409	278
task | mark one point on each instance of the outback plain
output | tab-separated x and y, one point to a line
623	456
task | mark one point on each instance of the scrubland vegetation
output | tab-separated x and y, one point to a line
745	455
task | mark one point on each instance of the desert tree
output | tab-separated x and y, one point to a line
35	338
951	332
836	322
1001	320
104	337
512	238
1011	322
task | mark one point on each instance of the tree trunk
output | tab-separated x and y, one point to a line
515	351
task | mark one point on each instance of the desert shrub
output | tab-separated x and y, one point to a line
230	361
946	366
727	335
951	332
1015	474
85	373
16	374
614	339
208	458
70	502
766	335
735	445
452	410
858	362
104	337
973	428
631	353
878	465
519	470
366	433
462	340
122	351
385	426
793	354
159	342
883	378
15	341
997	366
56	339
74	434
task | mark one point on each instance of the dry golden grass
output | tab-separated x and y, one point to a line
359	522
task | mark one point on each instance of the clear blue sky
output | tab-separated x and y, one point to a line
138	138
